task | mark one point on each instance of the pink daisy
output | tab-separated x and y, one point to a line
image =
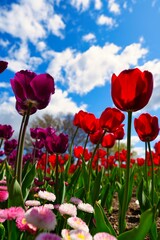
68	209
103	236
11	213
41	217
79	235
75	200
47	195
77	223
22	225
86	207
47	236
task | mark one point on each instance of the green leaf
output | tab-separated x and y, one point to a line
27	181
85	176
102	222
2	231
140	232
142	197
15	194
96	188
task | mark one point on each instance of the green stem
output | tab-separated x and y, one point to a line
90	163
153	180
122	224
19	160
146	169
56	177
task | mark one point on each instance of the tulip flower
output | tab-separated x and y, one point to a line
146	127
89	123
32	90
6	131
57	143
157	148
108	140
111	119
3	66
131	89
78	118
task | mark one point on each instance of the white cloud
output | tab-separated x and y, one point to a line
90	37
114	7
4	43
31	20
80	4
105	20
98	4
82	72
41	46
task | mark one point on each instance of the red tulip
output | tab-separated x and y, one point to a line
146	127
108	140
131	89
111	119
89	123
119	133
140	161
78	117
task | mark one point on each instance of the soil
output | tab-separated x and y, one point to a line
132	217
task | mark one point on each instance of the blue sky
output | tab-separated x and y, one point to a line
81	43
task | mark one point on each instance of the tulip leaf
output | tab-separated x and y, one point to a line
140	232
15	194
27	181
2	231
96	187
102	222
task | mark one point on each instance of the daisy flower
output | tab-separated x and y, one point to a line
49	205
22	225
103	236
68	209
47	236
3	195
47	195
75	200
77	223
11	213
32	203
86	207
79	235
41	217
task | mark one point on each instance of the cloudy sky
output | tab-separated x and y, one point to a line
81	43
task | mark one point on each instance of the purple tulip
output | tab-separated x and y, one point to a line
6	131
32	90
3	66
9	146
57	143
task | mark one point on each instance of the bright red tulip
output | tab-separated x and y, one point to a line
78	118
108	140
119	133
140	161
111	119
146	127
131	89
157	148
89	123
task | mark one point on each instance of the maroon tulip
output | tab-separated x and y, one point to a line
111	119
57	143
9	146
146	127
32	90
6	131
131	89
108	140
3	66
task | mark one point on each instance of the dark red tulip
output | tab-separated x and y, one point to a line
111	119
57	143
6	131
3	66
9	146
108	140
146	127
32	90
131	89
